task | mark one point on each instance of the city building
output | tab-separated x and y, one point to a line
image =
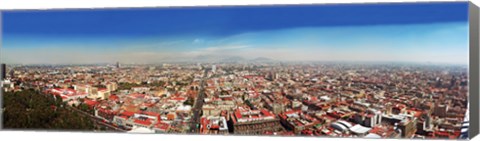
3	74
213	125
247	121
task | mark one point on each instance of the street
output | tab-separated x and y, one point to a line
197	108
95	119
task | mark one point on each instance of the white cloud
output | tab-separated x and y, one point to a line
436	46
225	48
198	41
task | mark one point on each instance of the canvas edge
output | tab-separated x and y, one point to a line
474	52
474	108
1	61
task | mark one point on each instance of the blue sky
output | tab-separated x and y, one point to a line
421	32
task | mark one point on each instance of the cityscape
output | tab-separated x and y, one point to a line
259	98
257	73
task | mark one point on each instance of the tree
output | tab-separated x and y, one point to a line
58	100
29	110
189	101
84	107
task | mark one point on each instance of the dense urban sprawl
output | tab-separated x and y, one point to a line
375	100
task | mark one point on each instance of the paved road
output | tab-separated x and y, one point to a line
93	118
96	119
197	108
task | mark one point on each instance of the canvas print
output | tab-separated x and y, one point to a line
375	70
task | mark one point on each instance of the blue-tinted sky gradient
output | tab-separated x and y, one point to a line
412	32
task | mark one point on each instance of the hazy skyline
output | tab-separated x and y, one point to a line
384	32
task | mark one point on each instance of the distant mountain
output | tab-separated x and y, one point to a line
233	59
262	59
218	58
212	58
202	57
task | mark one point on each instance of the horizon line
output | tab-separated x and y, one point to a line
248	62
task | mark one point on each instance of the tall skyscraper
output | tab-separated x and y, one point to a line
214	68
11	73
118	65
4	71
